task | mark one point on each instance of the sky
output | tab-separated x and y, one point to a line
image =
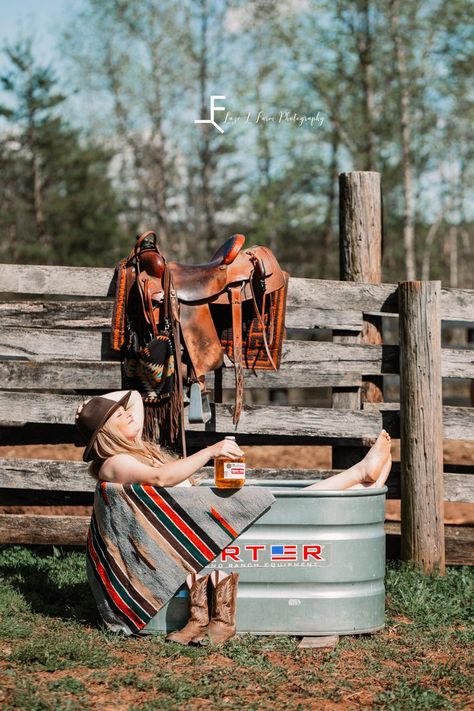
44	19
40	17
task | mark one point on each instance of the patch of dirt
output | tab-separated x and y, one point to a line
403	619
289	457
42	451
313	679
455	513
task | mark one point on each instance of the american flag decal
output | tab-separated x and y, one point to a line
283	553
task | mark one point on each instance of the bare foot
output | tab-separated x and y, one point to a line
384	473
382	477
373	464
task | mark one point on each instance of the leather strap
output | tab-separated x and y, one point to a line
149	305
236	306
262	323
168	295
143	281
172	312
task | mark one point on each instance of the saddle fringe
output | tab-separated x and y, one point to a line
162	419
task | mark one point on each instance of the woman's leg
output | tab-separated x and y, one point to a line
369	471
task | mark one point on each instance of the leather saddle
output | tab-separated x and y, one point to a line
233	304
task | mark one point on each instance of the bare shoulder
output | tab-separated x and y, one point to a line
121	468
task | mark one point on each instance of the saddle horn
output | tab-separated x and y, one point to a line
149	258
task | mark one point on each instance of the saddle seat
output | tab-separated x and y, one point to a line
228	280
204	283
200	282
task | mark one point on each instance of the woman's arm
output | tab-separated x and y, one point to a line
125	469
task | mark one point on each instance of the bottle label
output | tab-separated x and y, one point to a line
234	470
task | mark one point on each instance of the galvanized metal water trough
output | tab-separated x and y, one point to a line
313	564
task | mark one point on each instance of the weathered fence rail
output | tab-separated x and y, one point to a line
305	296
50	475
257	421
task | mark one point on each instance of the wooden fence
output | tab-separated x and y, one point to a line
54	348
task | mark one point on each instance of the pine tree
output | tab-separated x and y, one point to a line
57	202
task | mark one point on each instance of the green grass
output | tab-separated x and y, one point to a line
411	696
432	601
56	656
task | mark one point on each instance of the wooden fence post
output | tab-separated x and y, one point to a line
360	249
421	426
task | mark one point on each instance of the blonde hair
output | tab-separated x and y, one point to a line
110	441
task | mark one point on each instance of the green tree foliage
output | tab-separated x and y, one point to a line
57	205
341	58
391	81
154	67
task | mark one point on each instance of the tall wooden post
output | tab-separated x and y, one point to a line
421	414
360	234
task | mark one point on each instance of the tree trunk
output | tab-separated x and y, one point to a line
264	157
124	133
453	257
364	48
38	201
328	228
37	180
159	168
205	153
400	68
426	263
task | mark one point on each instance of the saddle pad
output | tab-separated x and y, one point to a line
144	540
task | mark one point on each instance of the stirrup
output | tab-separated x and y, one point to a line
199	405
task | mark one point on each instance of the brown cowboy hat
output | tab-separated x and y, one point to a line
94	415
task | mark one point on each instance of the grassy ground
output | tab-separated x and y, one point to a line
54	656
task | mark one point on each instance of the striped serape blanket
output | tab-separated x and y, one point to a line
144	540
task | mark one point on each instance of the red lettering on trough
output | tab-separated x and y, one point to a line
312	552
255	551
231	552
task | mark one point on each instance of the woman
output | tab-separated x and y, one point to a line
113	425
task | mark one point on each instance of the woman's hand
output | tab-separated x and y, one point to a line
226	448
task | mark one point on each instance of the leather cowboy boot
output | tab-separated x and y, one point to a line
224	602
195	628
